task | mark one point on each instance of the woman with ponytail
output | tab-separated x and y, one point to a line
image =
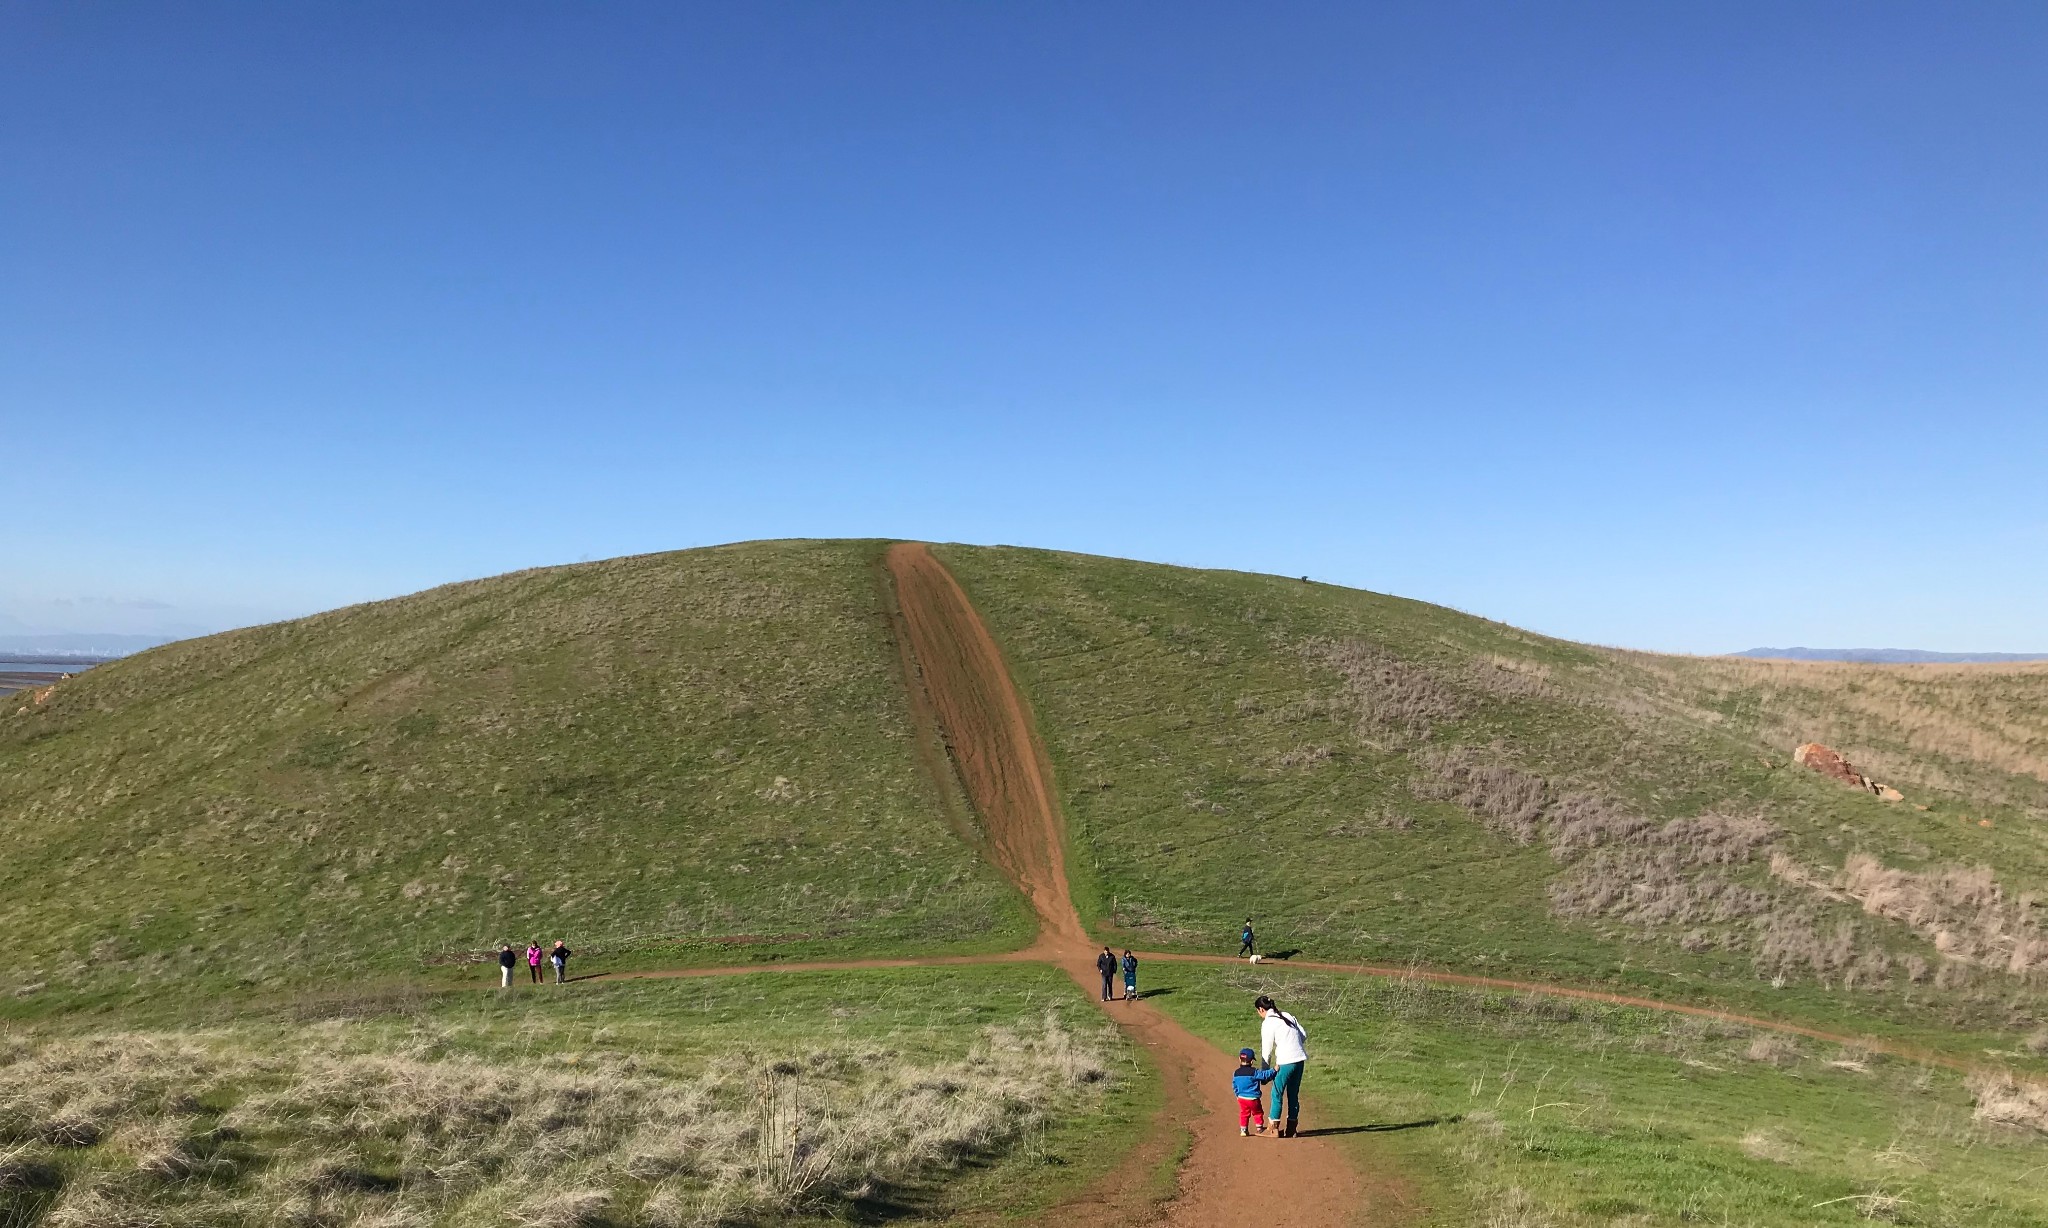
1284	1043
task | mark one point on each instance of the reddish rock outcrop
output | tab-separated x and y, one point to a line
1830	763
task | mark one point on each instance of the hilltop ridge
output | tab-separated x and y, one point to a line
1887	656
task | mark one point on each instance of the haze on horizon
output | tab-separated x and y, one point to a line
1685	330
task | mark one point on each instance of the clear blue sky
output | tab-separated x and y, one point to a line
1678	326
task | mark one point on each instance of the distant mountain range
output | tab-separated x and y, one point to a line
1885	656
92	644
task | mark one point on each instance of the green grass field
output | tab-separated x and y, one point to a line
250	877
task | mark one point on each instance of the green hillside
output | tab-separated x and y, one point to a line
248	878
708	756
694	756
1380	779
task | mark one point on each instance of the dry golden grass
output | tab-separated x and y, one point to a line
2002	1100
1895	721
1963	911
135	1129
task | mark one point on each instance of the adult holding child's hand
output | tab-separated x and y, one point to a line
1284	1043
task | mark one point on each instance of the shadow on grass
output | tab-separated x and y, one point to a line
1384	1128
1151	993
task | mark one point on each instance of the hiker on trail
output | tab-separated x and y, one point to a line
1245	939
1284	1043
1105	963
505	962
559	957
533	960
1130	966
1245	1082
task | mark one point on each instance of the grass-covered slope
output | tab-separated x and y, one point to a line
1382	779
646	752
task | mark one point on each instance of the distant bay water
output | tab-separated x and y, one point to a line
47	665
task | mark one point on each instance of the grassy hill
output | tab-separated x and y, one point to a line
707	756
1380	779
246	874
682	755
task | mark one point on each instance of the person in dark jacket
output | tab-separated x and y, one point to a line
1105	963
1130	967
505	962
559	957
1245	939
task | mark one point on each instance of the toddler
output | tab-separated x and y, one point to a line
1245	1081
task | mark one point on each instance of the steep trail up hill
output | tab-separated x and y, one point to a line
1305	1182
964	685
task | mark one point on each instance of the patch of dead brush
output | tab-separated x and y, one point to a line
2005	1101
1387	696
399	1138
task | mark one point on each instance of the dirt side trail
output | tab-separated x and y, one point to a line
1226	1181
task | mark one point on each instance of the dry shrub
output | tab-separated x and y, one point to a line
1792	939
1508	800
1387	696
1581	822
1650	886
1772	1048
1649	874
1512	678
1963	911
2003	1100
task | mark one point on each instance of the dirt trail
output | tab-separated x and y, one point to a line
1226	1180
959	679
1876	1044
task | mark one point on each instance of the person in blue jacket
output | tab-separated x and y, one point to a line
1245	1082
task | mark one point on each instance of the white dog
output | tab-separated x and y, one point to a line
1255	959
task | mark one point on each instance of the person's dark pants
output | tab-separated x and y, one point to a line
1105	987
1288	1082
1246	949
535	970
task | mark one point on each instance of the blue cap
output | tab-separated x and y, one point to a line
1246	1053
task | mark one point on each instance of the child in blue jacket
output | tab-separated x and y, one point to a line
1245	1082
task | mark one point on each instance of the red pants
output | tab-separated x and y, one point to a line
1250	1113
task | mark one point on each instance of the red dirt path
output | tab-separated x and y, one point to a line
959	680
1225	1179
